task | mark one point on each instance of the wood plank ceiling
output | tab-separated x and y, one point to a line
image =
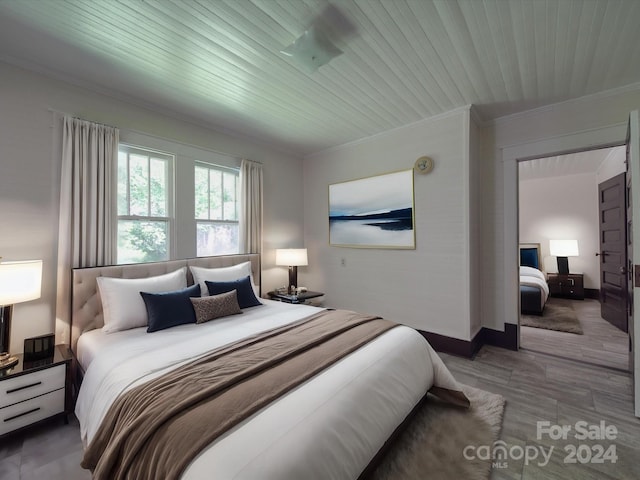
589	162
217	62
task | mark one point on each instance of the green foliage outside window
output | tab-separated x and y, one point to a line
142	241
142	207
216	210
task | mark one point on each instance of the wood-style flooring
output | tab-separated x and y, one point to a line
538	387
601	344
544	388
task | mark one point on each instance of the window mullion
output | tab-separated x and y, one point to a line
128	185
209	193
222	195
139	218
148	186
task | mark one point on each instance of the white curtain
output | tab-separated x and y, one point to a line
251	213
87	223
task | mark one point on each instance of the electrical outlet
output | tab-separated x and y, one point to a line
343	262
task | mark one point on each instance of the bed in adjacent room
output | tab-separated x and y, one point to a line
534	290
287	421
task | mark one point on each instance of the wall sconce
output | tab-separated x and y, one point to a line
563	249
292	258
19	282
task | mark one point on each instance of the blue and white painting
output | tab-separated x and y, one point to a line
374	212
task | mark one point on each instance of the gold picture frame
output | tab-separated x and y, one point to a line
373	212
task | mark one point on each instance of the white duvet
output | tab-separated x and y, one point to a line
330	427
533	277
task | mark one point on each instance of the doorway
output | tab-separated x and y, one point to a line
558	200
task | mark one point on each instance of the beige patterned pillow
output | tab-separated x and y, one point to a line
215	306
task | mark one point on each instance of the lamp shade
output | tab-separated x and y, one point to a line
291	257
563	248
20	281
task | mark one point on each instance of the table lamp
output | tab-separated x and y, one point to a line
19	282
563	249
292	258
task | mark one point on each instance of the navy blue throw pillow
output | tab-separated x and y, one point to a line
246	297
168	309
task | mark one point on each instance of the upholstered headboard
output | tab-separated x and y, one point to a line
86	306
530	255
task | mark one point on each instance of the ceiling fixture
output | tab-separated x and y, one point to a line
312	50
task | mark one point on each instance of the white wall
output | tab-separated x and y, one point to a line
474	253
614	164
595	121
29	177
564	207
430	287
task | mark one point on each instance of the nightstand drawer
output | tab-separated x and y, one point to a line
569	285
24	387
30	411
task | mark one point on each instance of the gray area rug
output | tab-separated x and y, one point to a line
558	315
433	445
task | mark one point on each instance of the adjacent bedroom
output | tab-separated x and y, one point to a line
569	291
278	239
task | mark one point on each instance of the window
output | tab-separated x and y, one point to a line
144	207
216	209
172	206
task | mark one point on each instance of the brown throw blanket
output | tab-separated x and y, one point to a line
155	430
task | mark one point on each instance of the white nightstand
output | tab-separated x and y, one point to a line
35	391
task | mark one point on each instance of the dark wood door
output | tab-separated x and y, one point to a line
613	250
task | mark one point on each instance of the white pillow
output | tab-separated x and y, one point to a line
221	274
122	303
531	272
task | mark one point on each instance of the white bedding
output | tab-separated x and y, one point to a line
328	428
533	277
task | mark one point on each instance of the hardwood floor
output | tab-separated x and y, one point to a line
601	344
540	387
537	387
51	451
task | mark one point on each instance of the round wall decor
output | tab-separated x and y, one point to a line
423	165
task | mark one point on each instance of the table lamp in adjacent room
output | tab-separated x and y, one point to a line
562	249
292	258
19	282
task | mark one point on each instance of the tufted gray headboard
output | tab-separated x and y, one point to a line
86	307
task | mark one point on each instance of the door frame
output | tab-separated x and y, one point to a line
519	161
610	136
633	171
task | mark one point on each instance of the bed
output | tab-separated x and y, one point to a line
332	425
534	290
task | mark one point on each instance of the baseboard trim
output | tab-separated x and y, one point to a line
454	346
507	339
468	348
592	293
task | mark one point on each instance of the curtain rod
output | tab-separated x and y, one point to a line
173	140
75	117
226	154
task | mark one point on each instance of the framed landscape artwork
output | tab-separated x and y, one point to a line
374	212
